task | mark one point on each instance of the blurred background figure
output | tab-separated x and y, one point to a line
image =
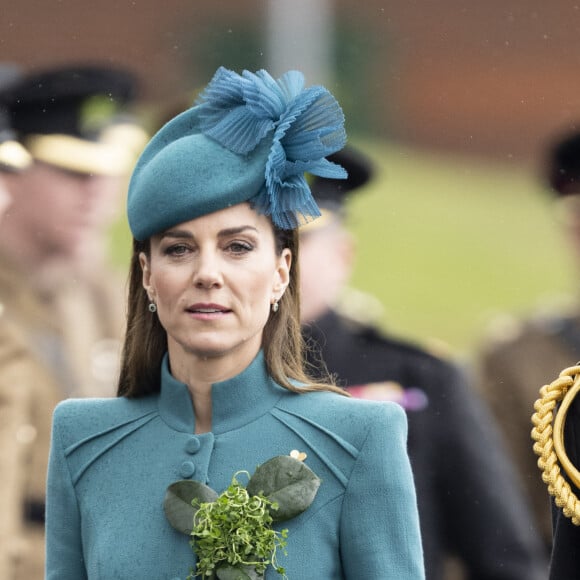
469	505
520	356
60	300
53	239
13	393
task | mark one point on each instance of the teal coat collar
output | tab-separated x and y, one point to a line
235	402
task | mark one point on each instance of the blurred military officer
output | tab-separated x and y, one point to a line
519	357
13	401
25	387
59	298
468	502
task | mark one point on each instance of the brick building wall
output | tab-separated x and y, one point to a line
493	78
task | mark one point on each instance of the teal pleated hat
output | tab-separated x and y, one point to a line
247	138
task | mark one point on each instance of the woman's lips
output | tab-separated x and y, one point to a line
207	311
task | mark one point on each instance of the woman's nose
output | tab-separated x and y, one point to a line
207	273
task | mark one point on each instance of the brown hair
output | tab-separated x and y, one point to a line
146	340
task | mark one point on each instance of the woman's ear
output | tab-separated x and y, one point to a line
144	263
283	271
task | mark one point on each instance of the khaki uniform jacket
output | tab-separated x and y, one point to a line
512	371
53	344
27	398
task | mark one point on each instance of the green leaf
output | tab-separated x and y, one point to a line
177	503
237	573
287	482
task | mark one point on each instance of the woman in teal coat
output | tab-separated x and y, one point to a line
212	382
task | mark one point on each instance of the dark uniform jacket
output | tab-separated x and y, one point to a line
565	564
468	503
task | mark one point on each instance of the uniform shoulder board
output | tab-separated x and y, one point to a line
364	313
503	328
360	307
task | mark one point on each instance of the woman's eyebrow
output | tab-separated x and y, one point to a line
177	234
237	230
227	232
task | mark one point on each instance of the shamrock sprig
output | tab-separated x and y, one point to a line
236	528
231	533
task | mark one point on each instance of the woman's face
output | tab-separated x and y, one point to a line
214	280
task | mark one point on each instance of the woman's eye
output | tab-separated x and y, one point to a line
240	247
176	250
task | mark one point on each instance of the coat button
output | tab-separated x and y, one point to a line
187	469
192	446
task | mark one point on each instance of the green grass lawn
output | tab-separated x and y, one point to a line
446	244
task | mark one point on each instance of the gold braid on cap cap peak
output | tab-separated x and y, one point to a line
549	442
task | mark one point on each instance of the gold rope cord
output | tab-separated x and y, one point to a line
549	443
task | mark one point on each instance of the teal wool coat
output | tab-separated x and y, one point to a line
112	460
